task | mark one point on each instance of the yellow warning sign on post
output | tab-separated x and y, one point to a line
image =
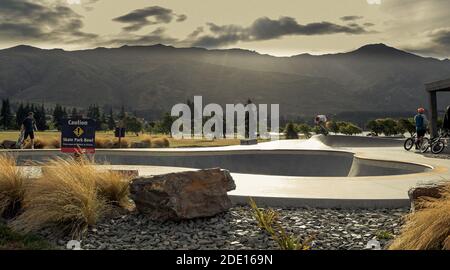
78	131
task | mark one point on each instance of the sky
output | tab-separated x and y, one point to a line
276	27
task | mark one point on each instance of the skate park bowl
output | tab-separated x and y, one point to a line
309	163
324	171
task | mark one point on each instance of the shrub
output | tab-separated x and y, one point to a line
12	187
427	228
160	142
64	197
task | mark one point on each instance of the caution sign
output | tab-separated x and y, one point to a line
78	134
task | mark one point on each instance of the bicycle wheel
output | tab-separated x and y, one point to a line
409	143
425	145
437	147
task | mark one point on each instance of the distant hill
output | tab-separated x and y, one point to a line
151	79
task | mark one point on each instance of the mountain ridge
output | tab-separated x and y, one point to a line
151	79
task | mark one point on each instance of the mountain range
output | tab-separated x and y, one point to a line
151	79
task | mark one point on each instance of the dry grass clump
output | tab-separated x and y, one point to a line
427	228
103	143
43	143
161	142
12	187
114	187
65	196
146	139
71	196
124	143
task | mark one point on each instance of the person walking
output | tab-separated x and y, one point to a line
28	128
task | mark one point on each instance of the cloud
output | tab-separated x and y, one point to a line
41	21
437	44
374	2
158	36
351	18
140	18
265	28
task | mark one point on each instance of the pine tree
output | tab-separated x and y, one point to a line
6	115
41	118
59	114
111	122
74	113
20	115
122	113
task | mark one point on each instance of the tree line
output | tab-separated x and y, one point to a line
385	126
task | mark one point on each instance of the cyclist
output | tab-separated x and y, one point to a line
320	122
421	126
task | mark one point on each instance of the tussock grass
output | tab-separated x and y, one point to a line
114	187
124	143
103	143
44	143
268	220
147	140
160	142
70	196
12	186
427	228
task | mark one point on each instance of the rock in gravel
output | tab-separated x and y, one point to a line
184	195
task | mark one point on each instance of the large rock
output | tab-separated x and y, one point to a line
183	195
424	191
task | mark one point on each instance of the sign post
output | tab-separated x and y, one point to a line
78	135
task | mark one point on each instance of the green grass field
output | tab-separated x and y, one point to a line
131	137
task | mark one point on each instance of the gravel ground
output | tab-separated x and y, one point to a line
236	229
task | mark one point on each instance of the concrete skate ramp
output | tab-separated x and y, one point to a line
311	163
359	141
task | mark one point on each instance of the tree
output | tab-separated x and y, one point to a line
122	113
6	116
389	126
332	126
305	130
133	124
40	117
290	131
375	127
111	122
59	113
74	113
94	114
20	115
349	129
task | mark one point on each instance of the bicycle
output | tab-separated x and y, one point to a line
412	141
438	144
